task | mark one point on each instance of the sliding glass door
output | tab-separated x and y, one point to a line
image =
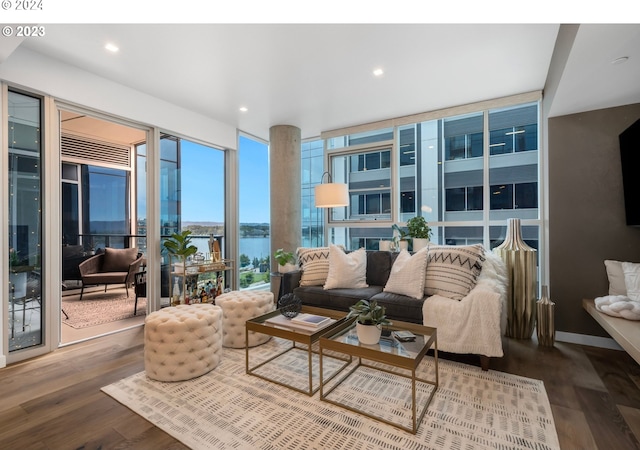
23	202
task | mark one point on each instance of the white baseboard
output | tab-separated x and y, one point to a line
3	361
585	339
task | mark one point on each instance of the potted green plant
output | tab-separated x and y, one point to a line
400	237
286	260
370	317
179	245
419	231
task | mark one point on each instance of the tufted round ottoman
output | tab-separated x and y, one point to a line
237	308
182	342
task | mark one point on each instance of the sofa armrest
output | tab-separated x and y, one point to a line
91	265
290	281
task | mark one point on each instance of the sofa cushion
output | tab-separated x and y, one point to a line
400	307
346	270
408	274
314	263
337	299
379	265
452	270
118	259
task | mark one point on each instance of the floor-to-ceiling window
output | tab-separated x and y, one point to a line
23	201
312	169
253	213
466	174
192	197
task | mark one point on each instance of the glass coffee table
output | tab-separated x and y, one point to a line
385	370
302	340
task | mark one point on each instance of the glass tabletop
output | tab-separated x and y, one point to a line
346	335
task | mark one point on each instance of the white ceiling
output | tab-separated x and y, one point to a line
319	76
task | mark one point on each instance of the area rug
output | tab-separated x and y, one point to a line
228	409
99	308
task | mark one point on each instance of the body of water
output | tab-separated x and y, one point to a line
252	247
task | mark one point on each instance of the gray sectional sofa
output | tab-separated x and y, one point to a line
379	263
473	324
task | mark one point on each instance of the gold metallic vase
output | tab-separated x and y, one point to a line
522	271
546	322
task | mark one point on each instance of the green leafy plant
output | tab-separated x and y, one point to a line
368	313
418	228
179	244
284	258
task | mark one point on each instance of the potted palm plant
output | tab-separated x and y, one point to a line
286	260
419	231
370	317
178	245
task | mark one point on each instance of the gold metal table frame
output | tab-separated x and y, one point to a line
307	339
335	341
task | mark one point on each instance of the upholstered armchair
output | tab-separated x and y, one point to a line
114	266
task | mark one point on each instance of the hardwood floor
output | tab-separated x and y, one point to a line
55	402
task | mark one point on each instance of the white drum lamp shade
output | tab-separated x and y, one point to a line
331	195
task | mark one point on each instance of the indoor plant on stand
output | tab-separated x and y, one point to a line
419	231
286	261
370	317
178	245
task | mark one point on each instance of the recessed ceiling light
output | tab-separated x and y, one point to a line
378	72
621	60
244	109
111	47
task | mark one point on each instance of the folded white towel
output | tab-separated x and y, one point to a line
618	306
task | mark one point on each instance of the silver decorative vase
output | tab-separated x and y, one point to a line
522	272
546	319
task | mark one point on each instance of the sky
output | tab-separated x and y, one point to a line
203	182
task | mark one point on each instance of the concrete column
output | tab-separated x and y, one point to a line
286	191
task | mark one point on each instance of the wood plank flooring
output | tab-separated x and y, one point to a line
55	402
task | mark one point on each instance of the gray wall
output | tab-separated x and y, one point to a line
586	211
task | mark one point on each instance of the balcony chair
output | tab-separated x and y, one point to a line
114	266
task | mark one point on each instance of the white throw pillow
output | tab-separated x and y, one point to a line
632	280
314	263
615	275
407	274
452	270
346	270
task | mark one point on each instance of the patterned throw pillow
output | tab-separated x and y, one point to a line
314	263
452	270
407	274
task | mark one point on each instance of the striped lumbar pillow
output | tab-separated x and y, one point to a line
452	270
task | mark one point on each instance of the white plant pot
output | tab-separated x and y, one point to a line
289	267
419	243
368	334
384	246
403	245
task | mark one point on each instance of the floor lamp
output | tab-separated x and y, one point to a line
330	195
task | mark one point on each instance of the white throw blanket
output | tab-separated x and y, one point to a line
471	325
476	323
618	306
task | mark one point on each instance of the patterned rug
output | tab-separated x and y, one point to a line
228	409
98	308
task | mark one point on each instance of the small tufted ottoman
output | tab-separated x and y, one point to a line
182	342
237	308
